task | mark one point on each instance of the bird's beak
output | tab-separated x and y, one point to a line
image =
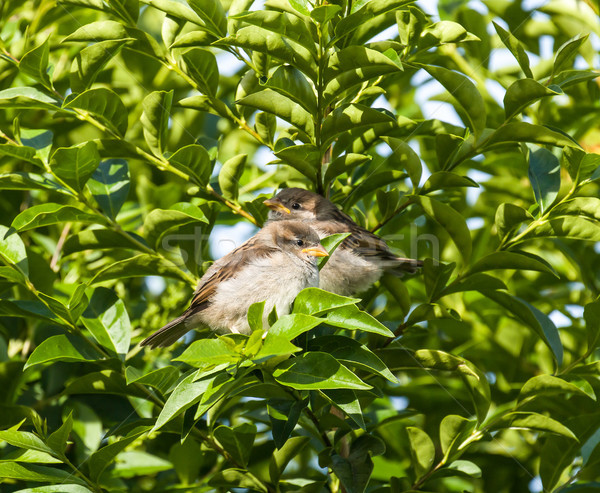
317	251
276	205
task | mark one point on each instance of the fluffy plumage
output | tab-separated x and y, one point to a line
274	266
359	261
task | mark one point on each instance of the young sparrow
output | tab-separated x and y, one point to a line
273	266
359	261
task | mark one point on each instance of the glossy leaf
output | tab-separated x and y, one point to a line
465	92
12	249
107	319
201	66
522	93
237	441
155	120
316	370
104	105
75	165
451	221
48	214
62	348
34	64
544	174
422	450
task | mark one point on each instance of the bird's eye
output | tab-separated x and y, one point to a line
299	242
296	205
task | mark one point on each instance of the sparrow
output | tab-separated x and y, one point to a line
359	261
272	266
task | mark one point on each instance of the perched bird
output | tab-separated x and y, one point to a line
359	260
273	266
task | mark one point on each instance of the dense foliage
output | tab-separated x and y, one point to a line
130	129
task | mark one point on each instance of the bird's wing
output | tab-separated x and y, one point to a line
365	243
227	268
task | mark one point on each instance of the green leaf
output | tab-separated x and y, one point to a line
287	25
201	66
522	93
510	260
273	44
91	60
405	154
532	317
237	478
350	317
465	93
453	222
102	239
304	158
12	250
422	450
230	174
21	153
27	97
347	401
237	441
344	164
281	106
436	276
542	385
509	216
39	139
212	13
441	180
291	326
210	352
28	181
101	459
176	10
30	456
472	377
26	440
291	83
143	43
75	165
516	48
194	160
355	470
68	348
57	441
316	370
445	32
349	117
591	315
351	66
61	488
104	105
155	120
159	222
534	422
107	319
48	214
527	132
34	64
330	243
454	430
274	345
109	185
139	266
315	301
284	415
325	13
285	453
567	52
187	393
352	353
161	379
41	474
580	165
364	12
544	174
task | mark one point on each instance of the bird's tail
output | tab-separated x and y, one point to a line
400	266
168	334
